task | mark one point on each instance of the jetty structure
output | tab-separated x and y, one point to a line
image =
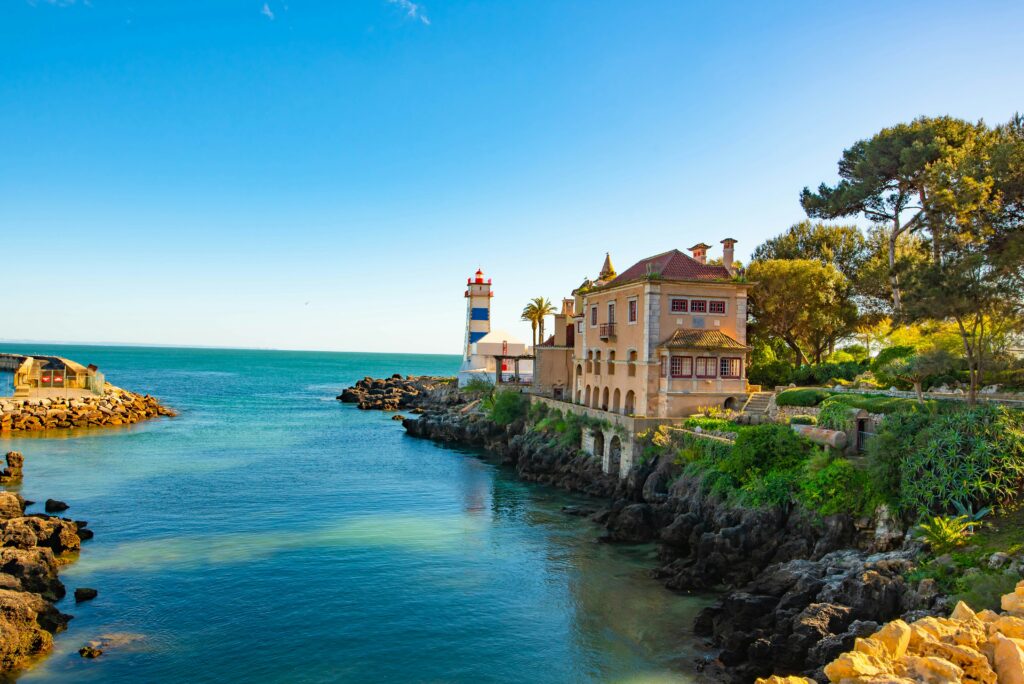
492	356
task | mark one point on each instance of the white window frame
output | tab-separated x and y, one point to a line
632	307
593	315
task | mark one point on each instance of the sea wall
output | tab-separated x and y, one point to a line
797	589
115	407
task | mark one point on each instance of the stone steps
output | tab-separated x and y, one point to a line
757	403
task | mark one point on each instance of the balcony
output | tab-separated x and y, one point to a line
606	331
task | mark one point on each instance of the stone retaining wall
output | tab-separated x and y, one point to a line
115	407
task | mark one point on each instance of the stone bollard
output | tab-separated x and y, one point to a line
12	473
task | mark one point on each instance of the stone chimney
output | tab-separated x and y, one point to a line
727	253
700	252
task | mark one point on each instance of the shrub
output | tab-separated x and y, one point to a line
924	463
801	397
478	386
835	415
771	374
762	449
832	484
945	533
538	409
509	406
803	420
881	403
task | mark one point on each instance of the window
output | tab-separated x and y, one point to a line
579	326
729	367
698	305
632	363
678	306
611	312
631	310
716	306
611	362
682	366
593	317
706	367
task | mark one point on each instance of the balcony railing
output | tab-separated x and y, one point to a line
606	330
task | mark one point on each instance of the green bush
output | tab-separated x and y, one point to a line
509	406
478	386
771	374
881	403
835	414
926	462
831	484
945	533
762	449
803	420
801	397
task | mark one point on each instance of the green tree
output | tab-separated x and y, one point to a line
919	367
534	313
885	179
804	303
841	246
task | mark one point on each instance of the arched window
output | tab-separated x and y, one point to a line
630	408
632	363
614	456
586	397
604	399
616	397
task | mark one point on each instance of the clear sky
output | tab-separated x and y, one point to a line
325	175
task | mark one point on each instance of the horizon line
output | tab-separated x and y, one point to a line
150	345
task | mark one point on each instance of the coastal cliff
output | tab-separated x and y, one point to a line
797	589
115	407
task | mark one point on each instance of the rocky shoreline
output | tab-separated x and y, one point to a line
34	548
115	407
797	590
396	392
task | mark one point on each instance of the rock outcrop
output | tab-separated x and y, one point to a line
32	549
13	472
396	392
975	648
115	407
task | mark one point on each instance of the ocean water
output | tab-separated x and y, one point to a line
272	534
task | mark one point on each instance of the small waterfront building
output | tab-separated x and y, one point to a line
40	376
662	339
485	351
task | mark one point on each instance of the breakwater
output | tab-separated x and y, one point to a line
796	589
115	407
396	392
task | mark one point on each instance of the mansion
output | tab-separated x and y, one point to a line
662	339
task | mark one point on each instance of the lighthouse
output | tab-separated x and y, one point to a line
478	310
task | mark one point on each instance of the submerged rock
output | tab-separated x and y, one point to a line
90	652
85	594
55	506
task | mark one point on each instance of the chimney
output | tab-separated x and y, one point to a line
700	252
727	253
568	305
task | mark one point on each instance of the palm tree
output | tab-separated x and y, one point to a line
535	312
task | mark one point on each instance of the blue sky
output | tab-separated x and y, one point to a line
325	175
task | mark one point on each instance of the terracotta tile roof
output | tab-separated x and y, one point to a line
702	339
674	265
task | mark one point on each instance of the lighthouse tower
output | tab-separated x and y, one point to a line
478	311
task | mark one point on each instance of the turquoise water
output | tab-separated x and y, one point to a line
272	534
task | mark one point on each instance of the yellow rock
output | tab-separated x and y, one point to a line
855	665
929	670
776	679
1008	626
1013	603
895	636
1009	661
962	612
874	647
973	663
987	615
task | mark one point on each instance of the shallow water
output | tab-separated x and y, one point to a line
271	534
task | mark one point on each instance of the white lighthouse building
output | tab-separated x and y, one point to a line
482	344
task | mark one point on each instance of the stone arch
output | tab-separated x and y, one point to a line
595	401
614	455
729	403
630	406
604	399
586	399
616	400
599	444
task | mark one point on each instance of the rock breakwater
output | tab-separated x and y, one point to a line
115	407
34	547
796	589
396	392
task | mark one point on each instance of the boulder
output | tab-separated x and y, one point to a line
27	623
11	505
85	594
55	506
